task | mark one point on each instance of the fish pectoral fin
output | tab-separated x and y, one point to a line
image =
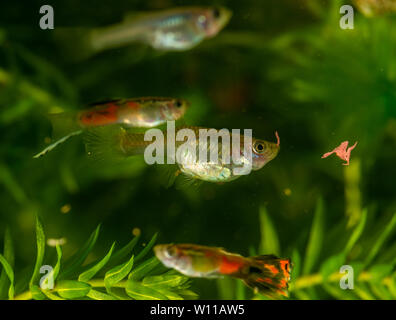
184	181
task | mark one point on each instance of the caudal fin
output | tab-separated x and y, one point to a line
103	144
64	126
74	43
269	275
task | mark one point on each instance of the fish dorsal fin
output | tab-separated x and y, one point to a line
265	257
104	101
133	16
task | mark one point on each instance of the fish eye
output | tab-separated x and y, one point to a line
259	147
170	252
178	104
216	13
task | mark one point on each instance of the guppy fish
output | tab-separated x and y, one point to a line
266	274
174	29
121	144
375	7
144	112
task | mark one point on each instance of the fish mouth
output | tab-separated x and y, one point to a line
221	22
225	17
159	251
262	160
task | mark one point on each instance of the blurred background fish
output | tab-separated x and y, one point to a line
174	29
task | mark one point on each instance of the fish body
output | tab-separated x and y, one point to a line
122	144
173	29
139	112
146	112
267	274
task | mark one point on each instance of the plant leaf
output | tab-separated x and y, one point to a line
88	274
36	292
170	294
147	248
10	273
8	254
381	240
81	255
118	273
138	291
51	295
164	281
40	239
357	232
296	266
315	239
188	294
332	265
58	262
143	269
124	251
71	289
378	272
269	237
97	295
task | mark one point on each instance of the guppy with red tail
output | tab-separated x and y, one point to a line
266	274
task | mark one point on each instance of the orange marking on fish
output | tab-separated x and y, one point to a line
285	267
133	104
267	280
283	293
272	268
101	117
228	266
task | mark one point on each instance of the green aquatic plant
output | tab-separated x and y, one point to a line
316	273
119	275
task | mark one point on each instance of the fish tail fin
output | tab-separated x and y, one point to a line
103	144
64	126
268	275
56	143
74	43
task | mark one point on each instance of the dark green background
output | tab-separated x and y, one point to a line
338	89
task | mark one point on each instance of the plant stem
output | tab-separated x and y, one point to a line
95	283
301	283
316	279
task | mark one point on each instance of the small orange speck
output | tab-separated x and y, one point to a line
65	209
287	192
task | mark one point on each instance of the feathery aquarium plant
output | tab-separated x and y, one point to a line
119	275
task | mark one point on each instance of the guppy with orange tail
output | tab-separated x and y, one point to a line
147	112
266	274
